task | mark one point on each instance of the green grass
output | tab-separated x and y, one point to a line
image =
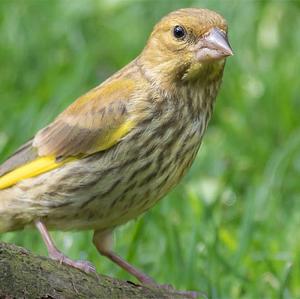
231	229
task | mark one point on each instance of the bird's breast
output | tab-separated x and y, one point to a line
151	159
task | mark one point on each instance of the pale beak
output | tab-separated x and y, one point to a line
213	46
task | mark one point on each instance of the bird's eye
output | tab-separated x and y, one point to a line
179	32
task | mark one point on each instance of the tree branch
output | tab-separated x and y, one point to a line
24	275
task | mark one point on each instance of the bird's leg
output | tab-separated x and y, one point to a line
103	242
55	254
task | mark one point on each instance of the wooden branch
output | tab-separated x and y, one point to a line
24	275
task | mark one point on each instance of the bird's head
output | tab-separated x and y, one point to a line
186	45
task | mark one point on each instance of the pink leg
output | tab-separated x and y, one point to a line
103	242
55	254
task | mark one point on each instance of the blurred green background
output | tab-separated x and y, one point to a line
231	229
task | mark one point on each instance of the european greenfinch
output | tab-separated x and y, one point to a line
118	149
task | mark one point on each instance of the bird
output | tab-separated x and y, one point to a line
120	148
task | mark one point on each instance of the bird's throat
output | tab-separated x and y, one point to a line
204	71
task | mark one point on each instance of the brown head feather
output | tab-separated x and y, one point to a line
166	59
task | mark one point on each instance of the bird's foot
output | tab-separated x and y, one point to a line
148	281
177	293
55	254
84	266
103	239
184	294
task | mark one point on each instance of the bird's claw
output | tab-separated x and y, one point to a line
184	294
171	289
84	266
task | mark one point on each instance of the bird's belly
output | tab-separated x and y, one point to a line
108	189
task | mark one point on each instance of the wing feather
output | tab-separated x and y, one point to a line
95	122
22	155
89	126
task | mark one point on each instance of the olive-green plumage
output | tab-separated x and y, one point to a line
121	147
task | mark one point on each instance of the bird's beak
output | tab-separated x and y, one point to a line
213	46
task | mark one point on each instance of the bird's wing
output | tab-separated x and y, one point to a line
21	156
93	123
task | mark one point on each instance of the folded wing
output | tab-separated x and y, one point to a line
95	122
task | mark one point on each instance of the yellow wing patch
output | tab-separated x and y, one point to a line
31	169
105	142
44	164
